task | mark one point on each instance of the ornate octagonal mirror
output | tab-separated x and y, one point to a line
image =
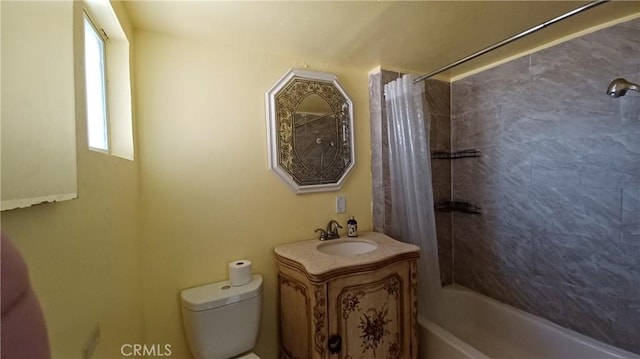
310	131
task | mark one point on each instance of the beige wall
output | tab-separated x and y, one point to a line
207	196
83	254
83	258
38	127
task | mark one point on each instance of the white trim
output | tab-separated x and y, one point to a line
28	202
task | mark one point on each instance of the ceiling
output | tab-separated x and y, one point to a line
416	36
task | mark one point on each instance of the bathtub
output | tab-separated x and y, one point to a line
479	327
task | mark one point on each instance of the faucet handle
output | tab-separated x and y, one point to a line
323	234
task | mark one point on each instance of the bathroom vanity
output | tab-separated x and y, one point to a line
348	298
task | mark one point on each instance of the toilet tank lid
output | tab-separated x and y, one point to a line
218	294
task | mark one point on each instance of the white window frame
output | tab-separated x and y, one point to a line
105	100
111	22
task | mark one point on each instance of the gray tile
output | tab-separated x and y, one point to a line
494	86
438	97
468	274
609	161
630	107
558	184
376	123
571	210
634	24
561	102
628	326
441	192
478	128
440	132
375	92
631	213
431	127
445	250
579	64
589	262
555	163
443	227
595	58
509	288
484	195
507	165
446	277
630	238
618	47
552	115
441	171
498	252
590	313
504	209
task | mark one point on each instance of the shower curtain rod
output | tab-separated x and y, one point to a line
512	38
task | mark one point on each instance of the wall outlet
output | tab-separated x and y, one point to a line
91	343
341	204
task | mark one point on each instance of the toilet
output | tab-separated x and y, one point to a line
222	321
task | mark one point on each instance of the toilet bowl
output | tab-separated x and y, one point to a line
222	321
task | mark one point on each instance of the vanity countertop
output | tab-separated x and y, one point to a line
304	255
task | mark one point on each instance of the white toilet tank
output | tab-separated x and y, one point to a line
222	321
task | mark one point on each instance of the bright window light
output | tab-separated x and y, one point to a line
94	57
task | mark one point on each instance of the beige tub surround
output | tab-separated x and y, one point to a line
348	296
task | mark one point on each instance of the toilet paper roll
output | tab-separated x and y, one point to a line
239	272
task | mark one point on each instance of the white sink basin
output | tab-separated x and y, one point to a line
346	247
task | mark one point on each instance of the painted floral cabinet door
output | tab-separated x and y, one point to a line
365	311
372	314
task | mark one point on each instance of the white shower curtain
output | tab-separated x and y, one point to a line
411	192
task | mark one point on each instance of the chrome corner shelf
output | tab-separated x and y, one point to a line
444	155
457	206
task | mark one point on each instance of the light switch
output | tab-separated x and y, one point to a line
341	204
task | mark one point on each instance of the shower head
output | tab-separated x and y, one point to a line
619	87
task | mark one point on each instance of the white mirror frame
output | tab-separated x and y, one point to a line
273	134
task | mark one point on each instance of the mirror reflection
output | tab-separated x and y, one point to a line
315	136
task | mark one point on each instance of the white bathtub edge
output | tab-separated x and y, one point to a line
453	344
534	320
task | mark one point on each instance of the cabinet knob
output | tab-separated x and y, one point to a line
335	344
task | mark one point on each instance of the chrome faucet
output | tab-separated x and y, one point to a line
331	232
332	229
323	234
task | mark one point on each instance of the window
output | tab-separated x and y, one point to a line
106	96
94	56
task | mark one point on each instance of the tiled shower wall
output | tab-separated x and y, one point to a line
558	182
